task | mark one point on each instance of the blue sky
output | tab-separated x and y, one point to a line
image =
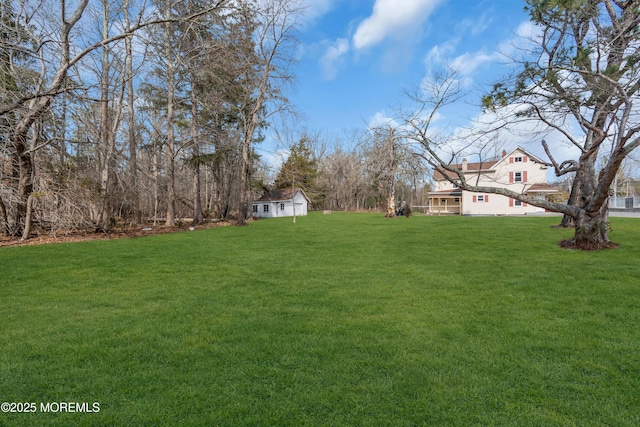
357	55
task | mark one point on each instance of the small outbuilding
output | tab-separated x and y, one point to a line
281	202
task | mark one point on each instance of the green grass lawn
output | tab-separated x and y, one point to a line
341	319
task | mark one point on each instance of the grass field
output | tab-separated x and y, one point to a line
341	319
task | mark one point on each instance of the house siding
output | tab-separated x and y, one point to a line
508	173
281	208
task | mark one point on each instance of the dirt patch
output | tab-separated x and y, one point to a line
116	233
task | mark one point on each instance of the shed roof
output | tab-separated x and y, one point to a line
279	194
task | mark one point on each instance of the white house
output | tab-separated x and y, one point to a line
281	202
518	170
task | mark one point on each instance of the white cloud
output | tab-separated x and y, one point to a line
475	26
381	119
467	63
332	56
528	30
439	54
526	38
315	9
395	18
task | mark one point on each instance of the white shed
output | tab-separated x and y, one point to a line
281	202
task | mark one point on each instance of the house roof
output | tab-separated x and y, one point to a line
488	166
457	192
471	167
531	156
280	194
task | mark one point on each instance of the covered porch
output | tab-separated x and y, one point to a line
448	202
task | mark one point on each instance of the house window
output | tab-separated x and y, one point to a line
513	203
480	198
456	200
281	206
517	159
255	208
265	208
518	176
443	201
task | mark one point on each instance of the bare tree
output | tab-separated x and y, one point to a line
52	38
110	115
266	74
131	120
580	77
342	178
388	155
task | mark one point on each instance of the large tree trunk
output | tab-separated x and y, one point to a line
591	232
391	187
244	185
4	226
25	180
198	215
156	185
27	221
591	225
170	220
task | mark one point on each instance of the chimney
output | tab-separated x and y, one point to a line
504	153
464	165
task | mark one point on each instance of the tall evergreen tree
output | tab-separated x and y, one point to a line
300	170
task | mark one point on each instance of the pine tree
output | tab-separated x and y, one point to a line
300	170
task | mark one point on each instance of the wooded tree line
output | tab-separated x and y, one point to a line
354	172
122	110
127	110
